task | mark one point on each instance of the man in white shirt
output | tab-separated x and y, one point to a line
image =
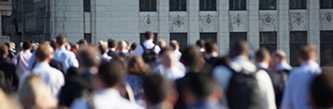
23	58
147	44
296	94
66	57
107	96
53	78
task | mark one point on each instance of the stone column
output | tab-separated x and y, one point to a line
223	31
283	32
193	25
163	16
253	35
314	24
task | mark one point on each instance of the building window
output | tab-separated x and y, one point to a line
207	5
267	4
87	5
298	39
148	5
268	40
237	36
326	4
209	37
237	4
326	48
297	4
87	37
181	38
142	37
178	5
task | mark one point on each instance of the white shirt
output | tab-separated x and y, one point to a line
223	75
67	58
296	94
105	56
23	62
175	72
149	44
53	78
106	99
177	54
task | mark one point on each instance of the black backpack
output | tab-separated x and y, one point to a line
243	91
149	55
279	80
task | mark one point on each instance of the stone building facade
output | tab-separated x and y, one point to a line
5	12
275	24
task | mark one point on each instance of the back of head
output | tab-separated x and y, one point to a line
35	93
149	35
43	52
174	44
281	54
308	52
321	90
137	66
3	50
112	43
192	57
239	48
61	39
199	85
200	43
26	45
88	57
112	73
156	89
262	55
210	47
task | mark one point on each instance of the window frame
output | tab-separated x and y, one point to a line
296	45
324	5
271	46
326	41
150	7
174	35
178	5
208	5
239	35
265	2
299	4
240	7
87	5
213	35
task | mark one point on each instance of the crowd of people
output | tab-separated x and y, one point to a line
111	74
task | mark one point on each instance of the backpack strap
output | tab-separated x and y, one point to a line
143	46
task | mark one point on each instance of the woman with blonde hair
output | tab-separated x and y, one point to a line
34	94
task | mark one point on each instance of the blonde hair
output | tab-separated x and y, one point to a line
34	94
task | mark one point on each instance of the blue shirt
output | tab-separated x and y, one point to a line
67	58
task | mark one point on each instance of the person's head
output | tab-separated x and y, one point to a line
197	87
26	45
156	89
240	48
88	57
136	66
112	43
82	42
174	45
103	47
44	52
162	43
321	91
61	40
111	74
167	57
4	51
279	56
149	35
34	94
133	46
192	58
308	53
122	45
263	56
200	43
211	49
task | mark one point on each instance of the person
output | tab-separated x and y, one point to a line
280	62
175	47
102	47
23	58
170	67
148	50
132	49
137	70
296	94
193	60
67	58
122	48
7	102
201	45
89	62
11	52
8	74
211	54
248	87
162	44
112	48
35	94
107	96
159	94
321	91
198	92
52	77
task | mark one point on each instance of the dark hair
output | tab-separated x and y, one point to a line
133	46
321	89
155	88
61	39
4	50
200	43
149	35
262	54
210	47
192	58
53	44
307	52
111	73
239	48
26	45
199	84
112	43
82	42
